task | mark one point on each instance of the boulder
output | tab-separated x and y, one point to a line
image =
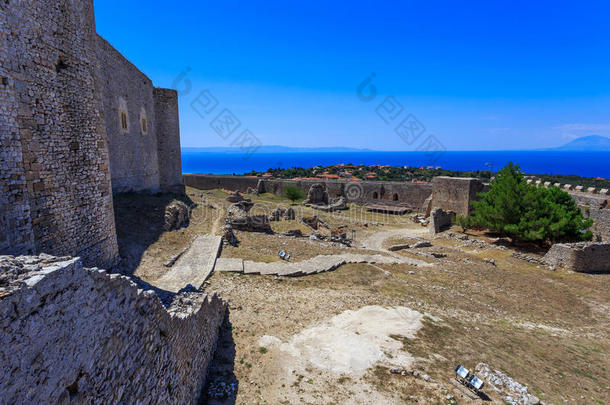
228	236
277	214
177	215
235	197
317	195
314	222
289	214
296	233
245	206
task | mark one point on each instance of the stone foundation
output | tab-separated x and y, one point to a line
584	257
77	335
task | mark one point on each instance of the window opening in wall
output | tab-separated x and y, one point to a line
124	120
143	125
375	195
395	197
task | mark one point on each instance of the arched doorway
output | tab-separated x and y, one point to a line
375	195
395	197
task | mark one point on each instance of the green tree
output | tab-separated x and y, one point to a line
525	212
293	193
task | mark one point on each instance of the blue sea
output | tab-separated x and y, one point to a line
586	164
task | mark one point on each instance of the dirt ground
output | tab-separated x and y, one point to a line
549	330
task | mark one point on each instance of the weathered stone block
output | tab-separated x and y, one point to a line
584	257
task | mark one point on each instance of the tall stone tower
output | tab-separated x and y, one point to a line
55	186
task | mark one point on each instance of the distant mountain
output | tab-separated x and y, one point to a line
275	149
587	143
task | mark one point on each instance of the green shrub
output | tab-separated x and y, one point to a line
293	193
525	212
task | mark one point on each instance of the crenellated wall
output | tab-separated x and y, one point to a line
77	335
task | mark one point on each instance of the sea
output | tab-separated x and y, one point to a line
585	164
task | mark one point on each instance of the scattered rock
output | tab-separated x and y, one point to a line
422	244
228	236
513	392
490	261
177	215
235	197
295	233
314	222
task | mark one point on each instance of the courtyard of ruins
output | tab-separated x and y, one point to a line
383	321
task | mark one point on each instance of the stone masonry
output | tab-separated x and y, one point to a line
63	145
77	335
584	257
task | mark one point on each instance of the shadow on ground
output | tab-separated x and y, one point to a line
139	220
222	384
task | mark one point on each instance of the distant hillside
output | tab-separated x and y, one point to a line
587	143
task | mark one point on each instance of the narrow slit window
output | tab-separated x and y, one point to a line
124	120
143	125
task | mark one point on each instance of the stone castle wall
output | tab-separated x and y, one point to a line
133	151
584	257
63	149
167	128
77	335
455	194
410	195
56	193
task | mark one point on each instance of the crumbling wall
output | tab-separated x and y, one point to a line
55	180
133	151
440	220
596	207
167	128
77	335
411	195
584	257
455	193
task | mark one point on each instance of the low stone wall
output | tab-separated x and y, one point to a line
403	194
77	335
584	257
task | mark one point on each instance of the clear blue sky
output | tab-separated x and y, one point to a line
478	75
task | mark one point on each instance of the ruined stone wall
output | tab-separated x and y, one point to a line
410	195
211	182
134	163
596	207
167	128
77	335
55	180
584	257
455	193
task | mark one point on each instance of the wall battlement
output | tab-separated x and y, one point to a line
83	335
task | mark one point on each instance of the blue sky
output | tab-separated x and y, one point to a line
477	75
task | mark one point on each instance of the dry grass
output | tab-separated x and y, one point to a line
549	330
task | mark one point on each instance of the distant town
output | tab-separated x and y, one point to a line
422	174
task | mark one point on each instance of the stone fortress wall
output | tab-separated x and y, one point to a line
448	193
141	125
584	257
80	335
63	145
56	189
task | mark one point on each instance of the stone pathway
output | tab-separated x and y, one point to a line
318	264
375	241
229	265
194	267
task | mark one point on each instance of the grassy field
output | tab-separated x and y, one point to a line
549	330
